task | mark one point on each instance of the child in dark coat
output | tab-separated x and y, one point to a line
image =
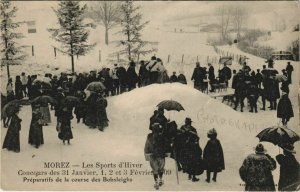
213	156
285	109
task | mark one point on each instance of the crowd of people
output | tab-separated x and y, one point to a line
251	85
182	145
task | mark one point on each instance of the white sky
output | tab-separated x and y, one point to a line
189	12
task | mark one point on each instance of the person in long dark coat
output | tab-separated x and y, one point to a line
173	78
12	138
285	109
101	115
289	177
91	118
191	151
65	129
211	76
213	156
144	75
121	73
181	78
285	83
253	94
239	90
132	77
153	119
36	127
289	69
256	171
81	108
198	76
226	73
18	88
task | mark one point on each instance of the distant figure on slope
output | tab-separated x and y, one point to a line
213	156
256	171
155	152
198	76
132	77
151	67
211	76
174	78
289	69
285	108
181	78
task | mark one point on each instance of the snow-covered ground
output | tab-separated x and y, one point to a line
129	116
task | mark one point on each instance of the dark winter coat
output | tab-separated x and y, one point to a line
211	73
289	69
101	116
122	75
256	172
12	138
91	113
284	108
132	77
18	89
144	75
213	156
81	108
226	72
191	153
289	177
173	79
65	129
80	84
182	79
155	145
36	129
198	75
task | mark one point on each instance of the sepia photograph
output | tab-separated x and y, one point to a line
150	95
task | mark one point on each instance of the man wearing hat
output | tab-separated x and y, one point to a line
155	152
256	171
289	177
191	151
289	69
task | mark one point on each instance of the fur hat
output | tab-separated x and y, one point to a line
259	149
188	120
212	132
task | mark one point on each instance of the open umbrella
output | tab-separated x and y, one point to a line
170	105
95	86
44	99
278	135
10	108
72	101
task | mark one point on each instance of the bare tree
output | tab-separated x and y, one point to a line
239	19
224	12
107	13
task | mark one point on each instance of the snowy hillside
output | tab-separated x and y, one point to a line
124	139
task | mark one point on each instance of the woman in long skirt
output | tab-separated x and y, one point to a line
45	111
12	138
36	127
64	128
101	116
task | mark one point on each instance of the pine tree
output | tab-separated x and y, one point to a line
11	52
131	29
72	33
